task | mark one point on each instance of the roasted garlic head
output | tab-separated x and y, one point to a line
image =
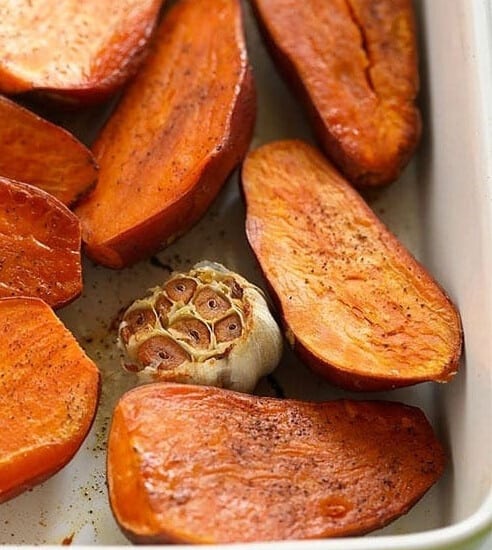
208	326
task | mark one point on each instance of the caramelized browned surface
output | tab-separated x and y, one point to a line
356	304
48	394
162	351
201	464
192	331
79	50
211	304
137	320
181	289
182	126
38	152
229	328
39	245
355	64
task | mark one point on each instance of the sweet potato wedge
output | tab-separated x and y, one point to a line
39	245
48	394
75	51
354	63
357	307
182	126
40	153
197	464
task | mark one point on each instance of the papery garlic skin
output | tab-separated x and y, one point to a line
209	326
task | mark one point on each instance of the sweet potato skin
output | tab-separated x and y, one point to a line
49	391
354	64
196	464
39	245
76	52
181	128
356	306
40	153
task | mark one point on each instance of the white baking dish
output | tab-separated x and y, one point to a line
441	208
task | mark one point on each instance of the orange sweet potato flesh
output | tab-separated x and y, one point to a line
357	307
182	126
39	245
48	394
40	153
205	465
75	51
354	63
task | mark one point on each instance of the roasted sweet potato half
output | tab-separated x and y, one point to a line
75	51
197	464
182	126
38	152
354	63
356	305
39	245
48	394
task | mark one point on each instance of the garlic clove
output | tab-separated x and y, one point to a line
209	326
229	328
191	330
211	304
180	289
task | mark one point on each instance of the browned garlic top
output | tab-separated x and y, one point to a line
207	326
